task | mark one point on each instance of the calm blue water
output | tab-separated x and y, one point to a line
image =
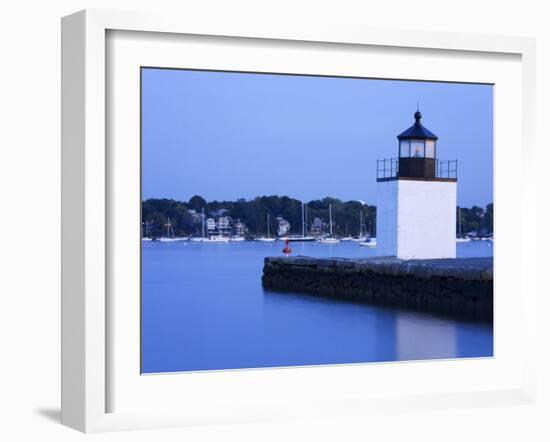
203	308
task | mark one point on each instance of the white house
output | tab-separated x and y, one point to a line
210	224
416	199
283	226
239	228
224	223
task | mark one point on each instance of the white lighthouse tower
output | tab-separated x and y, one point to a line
416	199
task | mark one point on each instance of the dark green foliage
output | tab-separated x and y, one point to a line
476	220
196	203
157	212
253	213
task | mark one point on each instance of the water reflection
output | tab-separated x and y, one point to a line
313	330
203	308
425	337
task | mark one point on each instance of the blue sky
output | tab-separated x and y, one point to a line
227	135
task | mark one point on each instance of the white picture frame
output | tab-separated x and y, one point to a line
86	211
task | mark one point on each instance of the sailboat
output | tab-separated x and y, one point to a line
361	237
330	239
202	237
368	242
170	237
268	237
303	237
347	237
364	239
146	236
216	238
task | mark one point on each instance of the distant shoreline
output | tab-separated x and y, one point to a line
286	215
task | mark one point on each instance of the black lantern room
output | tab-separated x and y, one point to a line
417	151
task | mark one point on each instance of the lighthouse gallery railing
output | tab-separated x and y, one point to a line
389	168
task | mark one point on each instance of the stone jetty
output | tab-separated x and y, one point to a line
461	287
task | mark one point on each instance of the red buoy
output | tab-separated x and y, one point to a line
287	250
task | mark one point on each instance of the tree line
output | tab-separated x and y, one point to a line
475	219
185	217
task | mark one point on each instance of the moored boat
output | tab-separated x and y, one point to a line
170	237
174	239
304	237
362	237
202	237
297	238
267	238
216	239
369	242
329	239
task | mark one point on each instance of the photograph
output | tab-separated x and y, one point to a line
292	220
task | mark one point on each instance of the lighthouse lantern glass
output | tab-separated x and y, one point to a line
430	149
404	146
417	148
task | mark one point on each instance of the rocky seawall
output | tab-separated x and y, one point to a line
462	287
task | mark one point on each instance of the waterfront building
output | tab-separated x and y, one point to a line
316	226
416	199
283	226
239	228
210	224
224	223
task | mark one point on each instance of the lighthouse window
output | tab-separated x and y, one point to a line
430	149
404	148
417	148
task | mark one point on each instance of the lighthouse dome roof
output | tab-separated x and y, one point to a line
417	130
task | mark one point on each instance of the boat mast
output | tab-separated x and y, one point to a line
148	228
330	218
360	223
459	223
202	225
268	225
169	229
305	218
303	222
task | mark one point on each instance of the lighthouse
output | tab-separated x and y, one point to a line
416	198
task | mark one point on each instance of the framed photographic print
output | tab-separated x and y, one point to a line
264	223
234	172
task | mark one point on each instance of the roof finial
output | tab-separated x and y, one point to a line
417	114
